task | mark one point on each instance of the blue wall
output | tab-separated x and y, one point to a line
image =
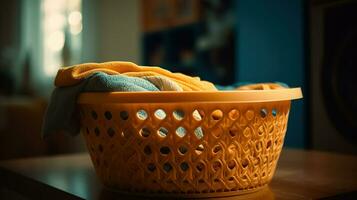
270	47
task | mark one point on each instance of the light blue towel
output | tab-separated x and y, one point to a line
61	114
102	82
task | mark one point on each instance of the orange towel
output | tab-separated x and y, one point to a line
74	74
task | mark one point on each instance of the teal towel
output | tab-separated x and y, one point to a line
102	82
61	114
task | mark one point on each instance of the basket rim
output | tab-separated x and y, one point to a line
236	96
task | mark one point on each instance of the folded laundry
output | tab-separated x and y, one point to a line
73	75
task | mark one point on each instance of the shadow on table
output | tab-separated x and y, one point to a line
346	196
264	194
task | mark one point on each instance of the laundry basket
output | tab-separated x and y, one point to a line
188	144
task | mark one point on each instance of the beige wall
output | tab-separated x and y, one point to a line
118	26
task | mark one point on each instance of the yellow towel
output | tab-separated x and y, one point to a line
74	74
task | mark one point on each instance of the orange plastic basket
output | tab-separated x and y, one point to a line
191	144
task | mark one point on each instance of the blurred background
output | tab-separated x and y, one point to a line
305	43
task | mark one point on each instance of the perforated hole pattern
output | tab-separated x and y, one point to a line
172	147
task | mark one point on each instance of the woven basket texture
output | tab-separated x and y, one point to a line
185	148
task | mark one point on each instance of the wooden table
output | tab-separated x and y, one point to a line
300	175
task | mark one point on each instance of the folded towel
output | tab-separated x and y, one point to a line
72	75
61	114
